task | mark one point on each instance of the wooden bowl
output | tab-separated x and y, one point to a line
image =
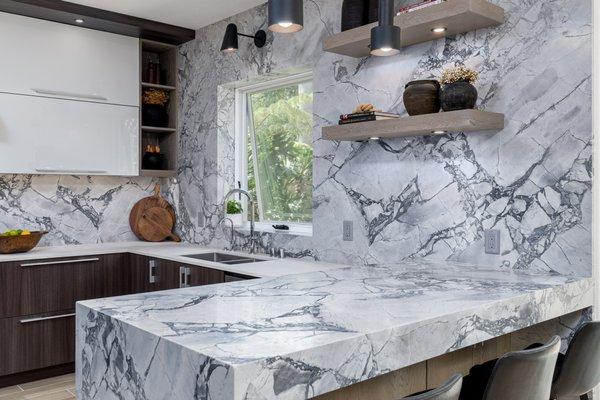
19	244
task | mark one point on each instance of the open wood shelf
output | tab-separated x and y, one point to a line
158	173
418	125
157	86
457	16
155	129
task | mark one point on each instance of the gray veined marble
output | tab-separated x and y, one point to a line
295	337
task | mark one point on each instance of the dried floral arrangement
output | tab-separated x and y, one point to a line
154	96
458	74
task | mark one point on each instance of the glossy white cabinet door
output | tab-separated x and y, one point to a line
44	58
54	136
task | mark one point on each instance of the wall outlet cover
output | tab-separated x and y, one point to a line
492	241
348	231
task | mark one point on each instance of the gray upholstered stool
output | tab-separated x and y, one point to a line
580	372
525	374
448	391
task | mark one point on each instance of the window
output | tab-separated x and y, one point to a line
274	155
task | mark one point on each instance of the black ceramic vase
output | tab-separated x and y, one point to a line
458	96
153	161
155	115
355	13
422	97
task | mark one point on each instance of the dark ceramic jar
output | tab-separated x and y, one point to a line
458	96
155	115
422	97
355	13
153	161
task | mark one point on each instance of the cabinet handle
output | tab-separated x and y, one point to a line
71	171
182	277
30	320
152	271
81	260
70	94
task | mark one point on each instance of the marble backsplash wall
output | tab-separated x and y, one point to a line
73	209
423	197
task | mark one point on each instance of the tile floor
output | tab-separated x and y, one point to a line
58	388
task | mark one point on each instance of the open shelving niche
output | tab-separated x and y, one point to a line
456	16
165	137
418	125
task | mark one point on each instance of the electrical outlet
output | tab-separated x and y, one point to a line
348	233
492	241
200	220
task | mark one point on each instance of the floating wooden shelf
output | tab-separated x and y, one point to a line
158	173
457	16
453	121
156	86
155	129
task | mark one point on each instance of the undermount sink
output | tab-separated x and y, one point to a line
224	258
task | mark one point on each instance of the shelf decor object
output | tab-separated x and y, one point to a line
458	92
286	16
419	125
422	97
446	19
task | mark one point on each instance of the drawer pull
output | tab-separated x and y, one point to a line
71	171
31	320
70	94
80	260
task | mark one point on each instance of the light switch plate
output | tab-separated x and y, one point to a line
492	241
348	228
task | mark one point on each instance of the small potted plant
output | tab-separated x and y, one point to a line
154	111
234	211
458	92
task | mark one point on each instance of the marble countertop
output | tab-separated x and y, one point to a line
297	336
174	252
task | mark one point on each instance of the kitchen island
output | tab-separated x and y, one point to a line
303	335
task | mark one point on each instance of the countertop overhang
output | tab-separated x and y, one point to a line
298	336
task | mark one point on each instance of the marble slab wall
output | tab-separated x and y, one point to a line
429	197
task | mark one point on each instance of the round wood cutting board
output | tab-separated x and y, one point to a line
152	219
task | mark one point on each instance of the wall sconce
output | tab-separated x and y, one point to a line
286	16
385	38
230	41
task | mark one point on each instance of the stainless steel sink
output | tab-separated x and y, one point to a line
224	258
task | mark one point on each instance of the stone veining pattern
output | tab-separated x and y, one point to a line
429	197
298	336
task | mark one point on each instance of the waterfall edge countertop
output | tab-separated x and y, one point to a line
298	336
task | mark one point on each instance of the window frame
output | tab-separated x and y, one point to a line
241	158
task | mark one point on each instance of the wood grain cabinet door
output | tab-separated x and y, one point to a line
36	342
150	274
10	290
199	276
107	277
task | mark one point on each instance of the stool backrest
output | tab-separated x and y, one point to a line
524	375
580	372
448	391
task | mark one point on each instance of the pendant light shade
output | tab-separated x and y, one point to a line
385	38
286	16
230	40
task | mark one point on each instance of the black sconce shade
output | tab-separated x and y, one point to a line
230	40
286	16
385	38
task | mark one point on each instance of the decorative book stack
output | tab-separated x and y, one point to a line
365	117
418	6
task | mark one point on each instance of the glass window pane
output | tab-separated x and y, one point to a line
280	125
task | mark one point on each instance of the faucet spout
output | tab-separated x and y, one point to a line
251	205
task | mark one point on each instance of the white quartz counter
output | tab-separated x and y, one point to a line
297	336
174	252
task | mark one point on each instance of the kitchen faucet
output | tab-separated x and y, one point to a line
251	205
232	239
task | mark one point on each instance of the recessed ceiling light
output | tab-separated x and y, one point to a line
440	132
439	30
374	138
79	21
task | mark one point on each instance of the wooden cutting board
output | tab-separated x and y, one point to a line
152	219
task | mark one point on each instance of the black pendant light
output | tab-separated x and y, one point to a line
230	40
385	38
286	16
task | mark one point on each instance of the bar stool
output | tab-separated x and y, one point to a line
525	374
448	391
580	371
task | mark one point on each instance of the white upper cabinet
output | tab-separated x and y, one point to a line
43	58
56	136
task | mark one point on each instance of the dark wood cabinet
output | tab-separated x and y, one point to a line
107	277
10	290
32	343
199	276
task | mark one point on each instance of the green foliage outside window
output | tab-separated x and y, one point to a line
281	121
